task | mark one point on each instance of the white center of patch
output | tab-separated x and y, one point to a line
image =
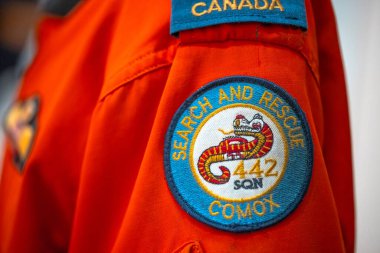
250	178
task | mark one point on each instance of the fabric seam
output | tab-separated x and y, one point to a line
315	75
137	59
167	63
133	77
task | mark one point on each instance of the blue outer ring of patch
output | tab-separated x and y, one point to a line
308	138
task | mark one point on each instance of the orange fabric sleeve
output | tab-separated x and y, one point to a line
95	178
336	145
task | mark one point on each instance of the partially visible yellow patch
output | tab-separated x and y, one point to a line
20	126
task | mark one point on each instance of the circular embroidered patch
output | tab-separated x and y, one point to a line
239	154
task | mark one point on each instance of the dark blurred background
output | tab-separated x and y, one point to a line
16	19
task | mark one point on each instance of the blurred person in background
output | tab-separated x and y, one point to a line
17	18
17	42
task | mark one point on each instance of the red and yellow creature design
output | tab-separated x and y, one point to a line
237	147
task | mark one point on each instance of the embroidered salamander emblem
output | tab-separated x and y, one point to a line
237	147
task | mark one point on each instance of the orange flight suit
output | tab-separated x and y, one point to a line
84	167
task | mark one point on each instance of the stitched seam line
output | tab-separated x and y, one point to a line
315	75
123	82
136	60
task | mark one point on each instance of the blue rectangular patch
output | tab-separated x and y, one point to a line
190	14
